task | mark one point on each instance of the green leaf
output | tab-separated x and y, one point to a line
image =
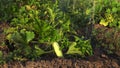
17	38
66	25
73	50
22	38
9	36
108	10
114	9
29	36
52	14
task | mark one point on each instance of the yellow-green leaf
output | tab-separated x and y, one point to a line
87	11
103	22
73	50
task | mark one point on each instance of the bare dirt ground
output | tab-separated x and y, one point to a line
63	63
96	61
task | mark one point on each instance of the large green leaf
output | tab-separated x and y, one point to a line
17	38
21	38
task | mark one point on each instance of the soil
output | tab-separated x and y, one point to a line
98	60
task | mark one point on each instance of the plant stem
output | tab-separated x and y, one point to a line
49	51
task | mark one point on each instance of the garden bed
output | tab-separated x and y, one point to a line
99	60
60	34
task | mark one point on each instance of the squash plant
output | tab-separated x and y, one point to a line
48	30
23	49
43	22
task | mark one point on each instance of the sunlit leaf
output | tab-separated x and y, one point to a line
114	9
88	11
103	22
